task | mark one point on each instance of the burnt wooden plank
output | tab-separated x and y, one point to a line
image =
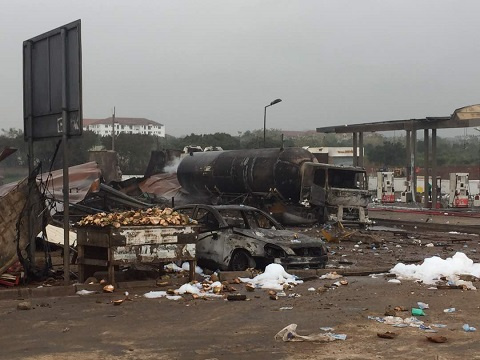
95	262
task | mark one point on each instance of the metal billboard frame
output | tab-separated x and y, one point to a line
52	83
52	104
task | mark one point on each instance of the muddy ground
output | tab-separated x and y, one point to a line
91	327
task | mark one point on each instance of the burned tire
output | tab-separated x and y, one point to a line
241	261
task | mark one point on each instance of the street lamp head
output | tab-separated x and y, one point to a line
276	101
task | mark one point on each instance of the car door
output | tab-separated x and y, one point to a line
211	239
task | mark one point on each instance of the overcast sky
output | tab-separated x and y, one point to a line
211	66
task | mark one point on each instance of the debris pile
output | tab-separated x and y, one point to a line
150	216
206	288
289	333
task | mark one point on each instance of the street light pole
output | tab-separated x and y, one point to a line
276	101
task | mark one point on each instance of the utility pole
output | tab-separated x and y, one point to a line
113	129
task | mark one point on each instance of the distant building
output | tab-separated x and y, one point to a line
103	127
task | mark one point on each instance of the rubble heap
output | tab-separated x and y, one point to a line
150	216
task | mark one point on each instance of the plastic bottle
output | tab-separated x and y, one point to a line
449	310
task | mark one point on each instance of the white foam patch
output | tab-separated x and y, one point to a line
85	292
155	294
186	267
197	289
433	268
273	278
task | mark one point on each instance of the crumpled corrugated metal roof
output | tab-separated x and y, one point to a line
166	185
83	178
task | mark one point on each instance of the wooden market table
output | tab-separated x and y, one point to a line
100	248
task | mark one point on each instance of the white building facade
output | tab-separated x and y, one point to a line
103	127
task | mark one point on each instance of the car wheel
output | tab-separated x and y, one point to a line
240	261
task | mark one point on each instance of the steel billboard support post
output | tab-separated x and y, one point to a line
31	238
66	183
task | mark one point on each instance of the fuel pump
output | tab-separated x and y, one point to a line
406	195
458	190
476	198
385	188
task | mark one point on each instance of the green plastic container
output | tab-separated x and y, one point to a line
417	312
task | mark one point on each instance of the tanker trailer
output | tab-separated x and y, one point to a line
280	181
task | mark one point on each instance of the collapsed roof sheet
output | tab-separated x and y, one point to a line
166	185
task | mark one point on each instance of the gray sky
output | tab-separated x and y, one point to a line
207	66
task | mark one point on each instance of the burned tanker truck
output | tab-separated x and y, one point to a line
288	183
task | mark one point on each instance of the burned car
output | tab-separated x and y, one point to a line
237	237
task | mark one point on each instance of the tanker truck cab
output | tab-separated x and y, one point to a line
339	193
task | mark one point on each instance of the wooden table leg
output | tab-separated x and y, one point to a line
111	267
193	265
81	266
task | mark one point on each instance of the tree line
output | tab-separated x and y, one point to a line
134	149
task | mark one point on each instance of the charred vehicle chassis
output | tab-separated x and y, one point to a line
288	183
236	237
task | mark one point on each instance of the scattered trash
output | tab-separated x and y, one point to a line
422	305
439	325
24	305
397	321
400	308
449	310
173	297
437	339
117	302
331	276
430	245
394	281
413	322
286	308
201	289
427	328
249	287
85	292
289	333
468	328
108	288
326	328
294	295
417	312
336	232
67	329
387	335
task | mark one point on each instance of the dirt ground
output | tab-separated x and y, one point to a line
91	327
